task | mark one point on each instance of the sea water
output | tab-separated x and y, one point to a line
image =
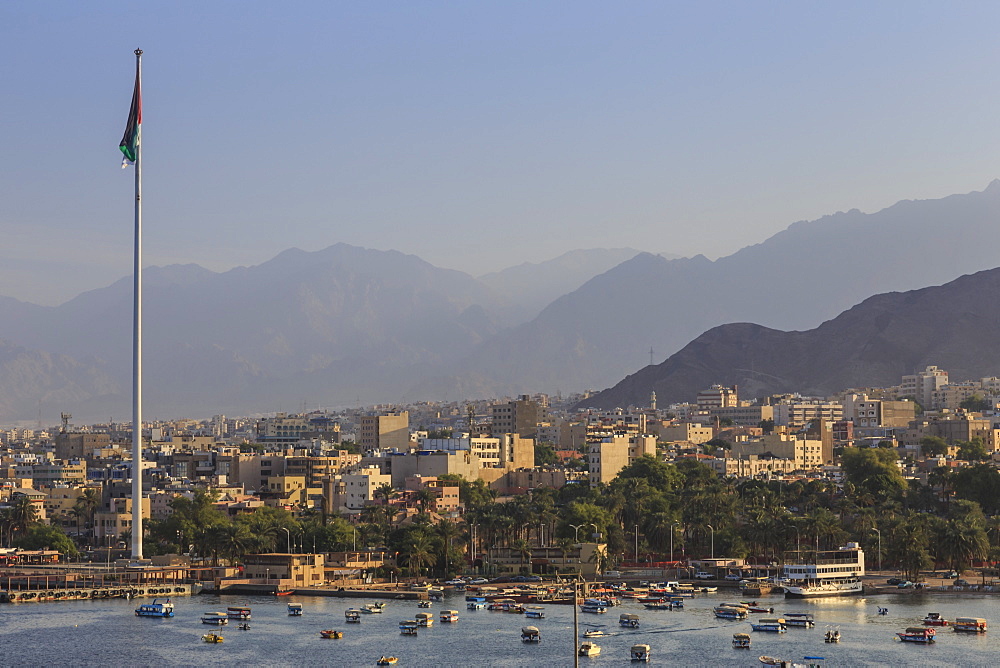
107	633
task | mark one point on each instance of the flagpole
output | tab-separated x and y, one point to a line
137	340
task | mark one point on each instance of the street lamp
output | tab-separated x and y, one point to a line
576	531
798	547
710	528
879	547
637	543
673	529
288	539
597	532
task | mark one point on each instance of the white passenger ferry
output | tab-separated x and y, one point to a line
832	573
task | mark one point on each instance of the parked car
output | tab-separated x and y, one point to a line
962	583
906	584
533	578
702	575
894	581
734	577
478	581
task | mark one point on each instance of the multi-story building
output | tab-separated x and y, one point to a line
684	432
744	416
866	412
609	456
797	412
520	417
921	385
718	396
804	453
71	445
385	431
359	488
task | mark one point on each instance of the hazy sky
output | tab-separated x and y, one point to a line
476	135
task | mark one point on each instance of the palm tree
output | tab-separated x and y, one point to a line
22	515
446	531
523	548
419	554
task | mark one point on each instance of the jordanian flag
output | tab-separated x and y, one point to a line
130	142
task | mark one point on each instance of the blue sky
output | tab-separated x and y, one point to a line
476	135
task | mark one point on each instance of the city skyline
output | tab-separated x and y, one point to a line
475	137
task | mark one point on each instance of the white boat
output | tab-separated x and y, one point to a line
352	615
449	616
157	608
801	619
969	625
530	634
731	612
534	612
773	625
832	573
216	618
629	621
708	590
295	609
425	619
589	649
597	609
372	608
408	627
594	633
741	641
832	635
639	653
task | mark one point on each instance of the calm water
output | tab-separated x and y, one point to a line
109	634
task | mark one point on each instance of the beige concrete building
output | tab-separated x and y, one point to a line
608	457
797	412
717	396
684	432
804	453
521	416
752	466
77	446
743	416
378	431
921	385
296	570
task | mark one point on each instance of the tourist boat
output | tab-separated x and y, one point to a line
662	605
935	619
424	604
773	625
593	633
651	599
589	649
330	633
639	653
408	627
832	635
534	612
676	602
386	661
212	638
597	609
238	613
157	608
475	605
425	619
832	573
628	621
449	616
295	609
741	641
608	602
917	634
352	615
217	618
530	634
801	619
969	625
730	612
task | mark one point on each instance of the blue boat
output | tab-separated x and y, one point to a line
156	609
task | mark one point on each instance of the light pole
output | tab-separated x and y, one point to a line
597	532
798	546
288	539
637	543
673	530
712	529
576	531
879	547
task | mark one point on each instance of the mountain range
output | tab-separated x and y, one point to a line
346	324
955	326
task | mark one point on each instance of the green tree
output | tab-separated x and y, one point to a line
973	451
545	454
47	537
873	470
975	403
933	446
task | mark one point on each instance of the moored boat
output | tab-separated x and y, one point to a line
741	641
800	619
589	649
917	634
157	608
387	661
832	573
639	653
534	612
772	625
212	638
530	634
448	616
935	619
969	625
352	615
295	609
217	618
629	621
727	611
408	627
597	609
424	604
771	661
475	602
425	619
832	635
331	633
593	633
238	612
753	606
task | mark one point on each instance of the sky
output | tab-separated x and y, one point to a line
476	135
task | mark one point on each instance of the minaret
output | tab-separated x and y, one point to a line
652	401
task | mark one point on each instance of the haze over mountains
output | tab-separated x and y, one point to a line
346	324
956	326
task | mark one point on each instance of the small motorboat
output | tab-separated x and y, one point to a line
244	626
729	611
741	641
883	611
424	604
530	634
235	612
425	619
330	633
408	627
596	609
448	616
589	649
212	638
639	653
534	612
917	634
832	635
352	615
594	633
629	621
753	606
386	661
935	619
295	609
771	661
372	608
157	608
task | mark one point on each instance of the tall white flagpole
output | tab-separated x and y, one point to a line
137	337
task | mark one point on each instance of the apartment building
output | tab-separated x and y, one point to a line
609	456
380	431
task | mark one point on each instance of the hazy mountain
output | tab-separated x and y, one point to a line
955	326
327	327
801	276
533	286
